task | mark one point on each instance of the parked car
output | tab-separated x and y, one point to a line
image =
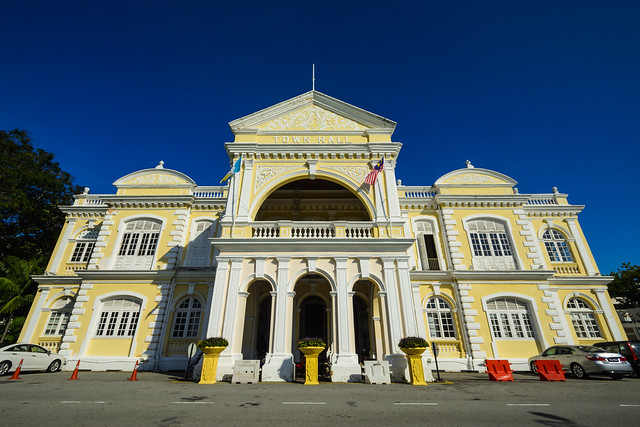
629	349
585	360
34	358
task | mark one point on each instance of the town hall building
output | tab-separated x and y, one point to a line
295	243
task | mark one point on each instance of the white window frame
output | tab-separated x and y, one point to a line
440	320
492	248
118	317
557	246
187	318
199	249
133	251
513	322
427	226
84	245
583	318
58	317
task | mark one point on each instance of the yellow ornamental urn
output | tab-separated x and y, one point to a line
413	347
311	348
211	347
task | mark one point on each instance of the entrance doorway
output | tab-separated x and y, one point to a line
257	323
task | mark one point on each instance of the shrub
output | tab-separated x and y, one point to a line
213	342
413	342
311	342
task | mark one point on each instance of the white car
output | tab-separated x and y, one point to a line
34	358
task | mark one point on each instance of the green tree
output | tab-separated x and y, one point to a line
32	185
17	288
625	287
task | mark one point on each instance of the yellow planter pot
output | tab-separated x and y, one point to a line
414	357
210	364
311	372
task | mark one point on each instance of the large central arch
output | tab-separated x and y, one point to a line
312	200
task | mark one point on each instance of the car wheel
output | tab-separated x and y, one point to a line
534	367
617	376
4	367
578	371
54	366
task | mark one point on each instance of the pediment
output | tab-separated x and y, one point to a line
155	178
475	177
312	112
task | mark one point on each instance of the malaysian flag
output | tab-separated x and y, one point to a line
373	175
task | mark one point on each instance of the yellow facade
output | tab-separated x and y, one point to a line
296	243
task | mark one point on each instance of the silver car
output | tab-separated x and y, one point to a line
585	360
34	358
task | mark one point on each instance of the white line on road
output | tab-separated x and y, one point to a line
528	404
416	403
195	403
81	401
303	403
630	405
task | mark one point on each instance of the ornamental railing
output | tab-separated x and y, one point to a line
208	192
542	200
312	230
417	192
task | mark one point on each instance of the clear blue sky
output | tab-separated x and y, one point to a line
547	92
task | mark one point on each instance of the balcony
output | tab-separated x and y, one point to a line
312	230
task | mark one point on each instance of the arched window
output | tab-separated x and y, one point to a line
509	319
138	246
118	318
491	245
59	317
84	246
200	245
427	245
187	318
556	245
440	318
583	319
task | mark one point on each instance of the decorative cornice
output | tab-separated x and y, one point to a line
580	280
149	201
507	276
126	275
363	247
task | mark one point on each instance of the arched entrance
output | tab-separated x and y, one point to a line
256	338
367	321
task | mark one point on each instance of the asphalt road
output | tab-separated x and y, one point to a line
107	399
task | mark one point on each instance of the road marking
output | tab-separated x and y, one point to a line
528	404
416	403
630	405
303	403
81	401
195	403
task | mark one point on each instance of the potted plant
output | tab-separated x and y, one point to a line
211	347
413	347
311	347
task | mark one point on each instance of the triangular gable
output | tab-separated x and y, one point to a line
311	112
155	178
476	177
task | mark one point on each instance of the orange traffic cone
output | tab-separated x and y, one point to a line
134	374
74	376
16	374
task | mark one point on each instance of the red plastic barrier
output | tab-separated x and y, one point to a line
499	370
550	370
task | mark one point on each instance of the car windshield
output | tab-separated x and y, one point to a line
590	349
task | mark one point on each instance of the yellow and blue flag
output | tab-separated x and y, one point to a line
235	169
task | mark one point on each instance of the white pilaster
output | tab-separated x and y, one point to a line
392	191
214	327
245	192
64	241
37	313
609	315
582	246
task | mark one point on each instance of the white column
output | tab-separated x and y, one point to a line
35	316
64	241
408	308
345	366
582	247
232	300
245	192
207	310
393	305
214	327
279	363
239	323
609	315
392	191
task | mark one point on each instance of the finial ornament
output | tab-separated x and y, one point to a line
469	165
160	165
555	190
86	190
